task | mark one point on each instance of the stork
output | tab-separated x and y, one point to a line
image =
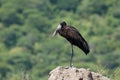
73	36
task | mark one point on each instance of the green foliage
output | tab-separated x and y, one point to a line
26	45
67	4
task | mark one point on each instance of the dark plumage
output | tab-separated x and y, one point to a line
73	36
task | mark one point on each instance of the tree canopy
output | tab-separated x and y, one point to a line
26	45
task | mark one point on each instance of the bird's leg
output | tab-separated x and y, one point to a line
71	59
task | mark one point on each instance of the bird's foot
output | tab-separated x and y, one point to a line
67	67
71	65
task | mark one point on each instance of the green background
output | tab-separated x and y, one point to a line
26	44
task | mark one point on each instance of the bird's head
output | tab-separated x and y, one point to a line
62	24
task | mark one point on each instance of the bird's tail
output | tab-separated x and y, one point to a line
84	46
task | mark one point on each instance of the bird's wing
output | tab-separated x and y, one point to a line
76	38
73	33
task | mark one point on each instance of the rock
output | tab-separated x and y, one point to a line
67	73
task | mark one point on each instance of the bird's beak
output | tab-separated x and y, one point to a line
56	31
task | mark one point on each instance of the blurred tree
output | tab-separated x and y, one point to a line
39	22
9	15
25	27
87	7
68	5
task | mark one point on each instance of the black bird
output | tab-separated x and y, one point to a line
73	36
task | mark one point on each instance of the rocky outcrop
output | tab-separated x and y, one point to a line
67	73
